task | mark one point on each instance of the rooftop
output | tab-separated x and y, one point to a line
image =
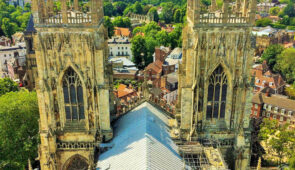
274	100
141	141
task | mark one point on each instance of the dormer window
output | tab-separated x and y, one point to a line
269	108
290	113
271	83
264	106
276	109
257	81
283	111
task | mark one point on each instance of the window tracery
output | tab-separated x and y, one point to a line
73	96
217	91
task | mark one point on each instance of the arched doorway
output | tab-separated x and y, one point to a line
77	162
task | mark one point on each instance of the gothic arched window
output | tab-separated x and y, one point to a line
217	91
73	96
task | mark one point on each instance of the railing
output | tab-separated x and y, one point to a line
212	18
72	18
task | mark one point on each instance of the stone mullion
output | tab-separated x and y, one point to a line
205	78
233	80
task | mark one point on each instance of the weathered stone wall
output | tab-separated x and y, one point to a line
85	51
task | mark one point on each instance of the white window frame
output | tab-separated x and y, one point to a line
281	118
267	114
283	111
276	109
269	107
289	113
274	116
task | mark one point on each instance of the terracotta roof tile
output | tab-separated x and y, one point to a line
122	32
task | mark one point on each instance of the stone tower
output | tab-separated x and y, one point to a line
74	83
214	81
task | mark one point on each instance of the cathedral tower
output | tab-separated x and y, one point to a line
74	83
214	81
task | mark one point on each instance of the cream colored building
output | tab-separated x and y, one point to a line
214	80
74	84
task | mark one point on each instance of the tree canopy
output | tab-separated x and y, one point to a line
13	19
7	85
271	53
153	37
285	63
279	139
18	129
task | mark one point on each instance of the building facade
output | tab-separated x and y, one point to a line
266	104
73	85
214	80
120	47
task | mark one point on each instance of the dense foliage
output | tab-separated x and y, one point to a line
13	19
18	129
150	36
271	53
279	139
7	85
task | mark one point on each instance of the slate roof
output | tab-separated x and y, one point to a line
141	141
30	27
274	100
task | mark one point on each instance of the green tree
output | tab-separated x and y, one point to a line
8	27
108	9
274	11
122	22
177	16
271	53
7	85
18	129
263	22
167	12
152	26
153	12
279	138
139	51
163	38
175	36
289	10
285	64
109	25
119	7
285	20
151	43
137	8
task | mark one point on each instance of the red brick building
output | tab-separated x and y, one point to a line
273	106
157	69
264	77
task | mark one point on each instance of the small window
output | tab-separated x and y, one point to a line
271	83
269	107
4	55
288	121
257	81
263	114
274	116
126	48
281	118
256	106
276	109
268	115
290	113
282	111
264	106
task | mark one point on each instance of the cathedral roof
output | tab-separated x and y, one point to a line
141	141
